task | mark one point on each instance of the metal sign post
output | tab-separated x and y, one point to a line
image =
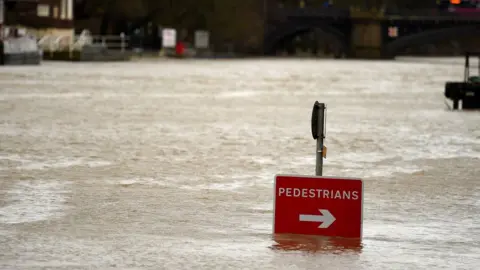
318	133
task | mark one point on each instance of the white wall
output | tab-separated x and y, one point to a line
70	9
63	9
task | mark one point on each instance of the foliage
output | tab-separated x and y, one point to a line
229	21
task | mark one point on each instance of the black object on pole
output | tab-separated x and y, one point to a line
318	133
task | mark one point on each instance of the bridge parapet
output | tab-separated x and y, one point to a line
430	14
319	12
362	13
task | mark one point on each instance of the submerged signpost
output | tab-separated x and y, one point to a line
318	205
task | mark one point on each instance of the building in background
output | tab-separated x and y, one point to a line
40	17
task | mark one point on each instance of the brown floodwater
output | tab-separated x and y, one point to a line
170	164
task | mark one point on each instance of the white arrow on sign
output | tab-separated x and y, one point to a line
326	218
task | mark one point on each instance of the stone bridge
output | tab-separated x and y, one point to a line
368	34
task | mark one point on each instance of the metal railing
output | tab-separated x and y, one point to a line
53	43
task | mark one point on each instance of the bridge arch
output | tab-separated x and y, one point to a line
392	48
289	30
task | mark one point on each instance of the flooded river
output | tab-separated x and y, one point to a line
170	164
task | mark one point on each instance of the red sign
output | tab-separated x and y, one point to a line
314	205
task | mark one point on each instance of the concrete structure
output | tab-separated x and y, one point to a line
19	50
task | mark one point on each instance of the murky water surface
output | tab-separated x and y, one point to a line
170	164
